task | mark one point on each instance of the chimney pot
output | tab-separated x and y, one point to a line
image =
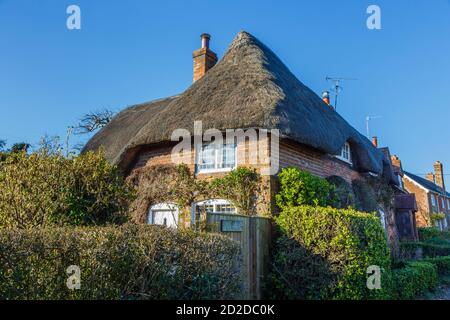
375	141
326	97
205	40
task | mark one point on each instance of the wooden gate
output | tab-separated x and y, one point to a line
253	234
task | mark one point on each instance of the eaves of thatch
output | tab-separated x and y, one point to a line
248	88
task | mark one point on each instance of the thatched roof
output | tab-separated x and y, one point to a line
248	88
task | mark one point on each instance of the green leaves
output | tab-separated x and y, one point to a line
241	186
126	262
299	187
339	244
47	188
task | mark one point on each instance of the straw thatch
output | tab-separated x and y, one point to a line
249	88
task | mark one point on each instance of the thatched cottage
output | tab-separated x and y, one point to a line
248	88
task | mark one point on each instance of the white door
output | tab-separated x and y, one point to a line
164	214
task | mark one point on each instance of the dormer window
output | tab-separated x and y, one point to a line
346	154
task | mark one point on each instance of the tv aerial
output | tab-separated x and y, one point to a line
337	88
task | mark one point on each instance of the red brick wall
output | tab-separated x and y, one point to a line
423	202
314	161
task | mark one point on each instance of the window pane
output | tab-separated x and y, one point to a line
229	156
225	208
206	157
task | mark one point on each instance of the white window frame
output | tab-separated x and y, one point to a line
442	203
346	149
217	152
212	202
165	207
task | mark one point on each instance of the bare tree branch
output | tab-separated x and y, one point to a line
93	121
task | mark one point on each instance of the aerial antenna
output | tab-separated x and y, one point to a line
337	87
368	118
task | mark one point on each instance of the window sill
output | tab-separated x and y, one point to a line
344	160
208	171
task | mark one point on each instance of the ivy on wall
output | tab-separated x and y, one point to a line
178	185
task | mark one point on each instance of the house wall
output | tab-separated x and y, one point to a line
314	161
290	154
423	202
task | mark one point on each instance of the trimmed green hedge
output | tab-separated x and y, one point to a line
435	249
415	278
128	262
324	253
442	264
427	233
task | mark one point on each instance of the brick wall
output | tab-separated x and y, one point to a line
314	161
423	202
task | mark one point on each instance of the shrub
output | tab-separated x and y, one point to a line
324	253
415	278
47	188
433	233
343	192
241	186
430	249
365	196
442	264
299	187
128	262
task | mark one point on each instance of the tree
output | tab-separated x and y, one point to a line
93	121
20	147
2	144
45	188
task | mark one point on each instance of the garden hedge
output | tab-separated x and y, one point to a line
414	278
324	253
442	264
127	262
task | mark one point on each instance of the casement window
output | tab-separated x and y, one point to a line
442	203
212	206
213	157
165	214
433	200
346	154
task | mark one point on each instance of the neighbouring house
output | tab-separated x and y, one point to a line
433	200
405	206
250	89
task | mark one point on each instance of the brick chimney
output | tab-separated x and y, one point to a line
430	176
375	141
396	162
439	174
204	58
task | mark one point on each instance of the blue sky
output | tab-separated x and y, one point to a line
134	51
